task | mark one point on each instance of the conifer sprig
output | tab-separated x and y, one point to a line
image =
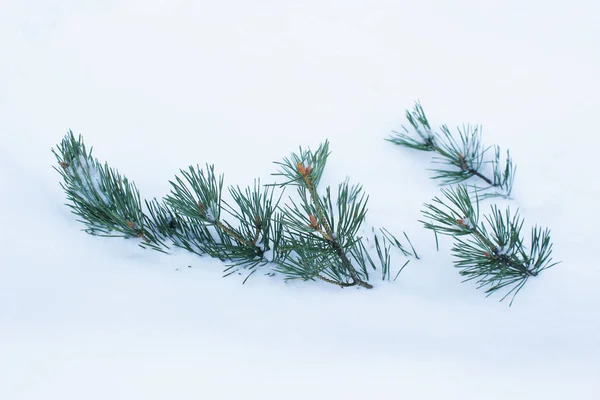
462	157
104	200
492	252
322	241
201	227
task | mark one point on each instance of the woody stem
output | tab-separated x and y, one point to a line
328	235
340	284
236	236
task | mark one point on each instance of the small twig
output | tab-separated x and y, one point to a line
237	237
328	232
230	231
501	257
466	167
140	232
258	226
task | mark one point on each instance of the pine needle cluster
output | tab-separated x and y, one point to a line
461	157
491	251
322	232
107	203
195	217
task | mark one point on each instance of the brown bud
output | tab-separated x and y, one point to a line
202	210
63	164
488	255
461	222
301	169
463	163
313	222
130	224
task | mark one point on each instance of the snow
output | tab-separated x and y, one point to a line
268	255
157	85
466	222
90	182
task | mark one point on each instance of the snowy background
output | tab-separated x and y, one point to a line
157	85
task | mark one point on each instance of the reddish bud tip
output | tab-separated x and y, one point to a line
301	169
201	208
63	164
313	221
130	224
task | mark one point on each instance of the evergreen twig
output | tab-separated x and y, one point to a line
104	200
462	158
323	242
491	252
196	200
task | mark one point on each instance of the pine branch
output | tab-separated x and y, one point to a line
196	200
322	242
491	252
462	158
246	232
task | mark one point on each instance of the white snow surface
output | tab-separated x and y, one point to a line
158	85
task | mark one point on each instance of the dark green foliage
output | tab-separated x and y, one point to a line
491	252
247	231
322	233
461	156
200	226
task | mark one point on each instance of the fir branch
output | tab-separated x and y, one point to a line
462	158
104	200
492	252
